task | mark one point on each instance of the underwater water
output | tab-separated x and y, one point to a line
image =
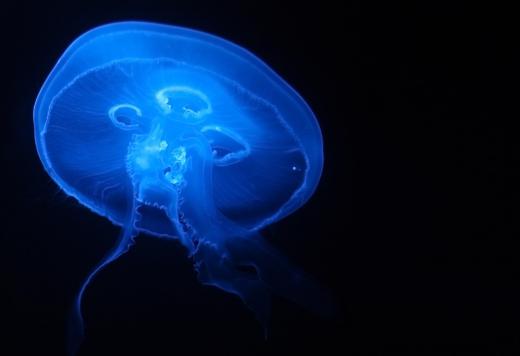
179	134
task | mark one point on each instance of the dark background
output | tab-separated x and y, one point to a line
408	227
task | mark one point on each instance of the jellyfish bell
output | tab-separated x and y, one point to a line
177	133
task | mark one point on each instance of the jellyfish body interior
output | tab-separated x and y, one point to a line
180	134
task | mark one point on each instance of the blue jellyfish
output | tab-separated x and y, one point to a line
180	134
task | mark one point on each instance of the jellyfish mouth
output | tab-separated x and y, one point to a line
156	167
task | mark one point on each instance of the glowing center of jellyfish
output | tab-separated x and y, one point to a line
183	110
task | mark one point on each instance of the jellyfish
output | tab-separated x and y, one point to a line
179	134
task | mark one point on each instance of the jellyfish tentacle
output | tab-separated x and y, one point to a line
123	244
176	217
216	267
246	265
282	277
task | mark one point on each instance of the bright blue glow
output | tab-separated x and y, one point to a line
180	134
